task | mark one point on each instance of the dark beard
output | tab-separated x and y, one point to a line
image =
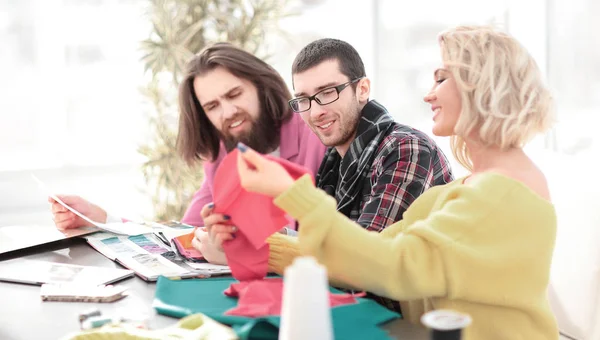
262	136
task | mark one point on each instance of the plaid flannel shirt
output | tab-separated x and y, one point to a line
407	163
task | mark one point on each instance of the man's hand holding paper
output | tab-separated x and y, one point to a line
66	219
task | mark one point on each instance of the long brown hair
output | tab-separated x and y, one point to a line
198	139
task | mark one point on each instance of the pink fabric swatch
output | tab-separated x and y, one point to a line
246	263
254	214
260	298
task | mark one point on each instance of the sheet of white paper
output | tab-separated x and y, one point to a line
128	228
213	268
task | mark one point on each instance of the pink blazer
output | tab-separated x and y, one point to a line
298	145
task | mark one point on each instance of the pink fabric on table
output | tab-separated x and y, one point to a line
260	298
254	214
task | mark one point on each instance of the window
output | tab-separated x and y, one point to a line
574	75
71	74
71	110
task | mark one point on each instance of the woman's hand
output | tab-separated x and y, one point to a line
261	175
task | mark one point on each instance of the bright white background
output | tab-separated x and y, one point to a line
71	112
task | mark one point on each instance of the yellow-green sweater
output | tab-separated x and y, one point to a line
483	248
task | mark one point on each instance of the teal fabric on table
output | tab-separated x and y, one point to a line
180	298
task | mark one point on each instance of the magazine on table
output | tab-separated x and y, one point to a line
152	255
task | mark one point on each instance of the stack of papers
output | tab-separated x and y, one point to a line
79	293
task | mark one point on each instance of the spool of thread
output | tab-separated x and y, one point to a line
445	324
305	310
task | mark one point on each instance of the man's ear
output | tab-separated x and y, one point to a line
363	89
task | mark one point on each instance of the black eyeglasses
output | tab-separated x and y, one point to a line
323	97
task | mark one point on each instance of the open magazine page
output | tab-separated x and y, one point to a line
149	257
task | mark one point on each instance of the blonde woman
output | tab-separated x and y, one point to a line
482	244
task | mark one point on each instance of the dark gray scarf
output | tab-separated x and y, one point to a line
345	178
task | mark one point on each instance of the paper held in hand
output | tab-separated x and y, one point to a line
126	228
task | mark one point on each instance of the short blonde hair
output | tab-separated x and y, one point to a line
504	100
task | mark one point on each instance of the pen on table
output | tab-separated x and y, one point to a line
162	238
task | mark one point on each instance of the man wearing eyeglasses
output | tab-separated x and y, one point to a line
374	167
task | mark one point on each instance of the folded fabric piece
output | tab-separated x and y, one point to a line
254	214
184	247
246	263
256	298
180	298
264	297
